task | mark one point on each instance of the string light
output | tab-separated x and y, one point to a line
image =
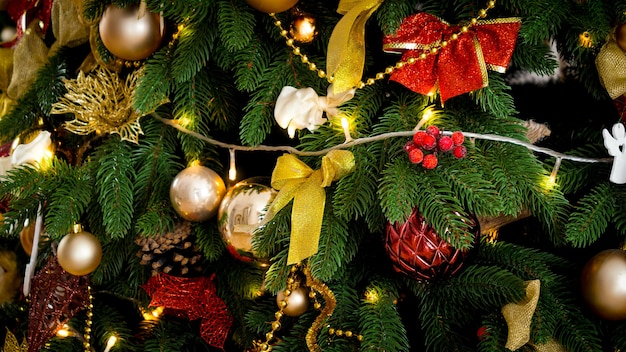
555	169
65	331
110	343
428	113
345	124
232	172
372	296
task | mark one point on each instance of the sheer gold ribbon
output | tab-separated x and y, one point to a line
550	346
519	315
11	344
6	70
346	49
611	65
31	52
296	180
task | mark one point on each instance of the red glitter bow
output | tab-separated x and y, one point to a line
192	298
460	66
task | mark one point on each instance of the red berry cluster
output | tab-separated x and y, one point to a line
432	141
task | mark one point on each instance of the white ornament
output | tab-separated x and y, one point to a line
302	108
616	146
32	152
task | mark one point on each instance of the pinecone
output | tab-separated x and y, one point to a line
172	253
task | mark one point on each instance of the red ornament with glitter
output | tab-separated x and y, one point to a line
417	250
458	67
55	297
193	298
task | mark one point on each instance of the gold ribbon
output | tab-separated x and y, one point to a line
11	344
31	52
6	70
611	66
346	48
550	346
296	180
519	315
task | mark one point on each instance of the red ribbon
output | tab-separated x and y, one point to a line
459	67
193	298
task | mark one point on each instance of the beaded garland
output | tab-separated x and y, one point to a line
433	49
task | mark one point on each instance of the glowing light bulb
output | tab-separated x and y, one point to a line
345	124
232	171
428	113
110	343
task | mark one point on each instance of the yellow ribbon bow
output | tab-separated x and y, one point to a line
296	180
519	315
346	49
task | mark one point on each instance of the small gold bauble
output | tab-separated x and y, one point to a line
240	214
7	34
272	6
27	236
603	284
130	36
303	28
620	36
297	301
196	193
79	253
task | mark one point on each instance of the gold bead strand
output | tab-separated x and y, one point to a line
88	322
293	282
296	50
433	49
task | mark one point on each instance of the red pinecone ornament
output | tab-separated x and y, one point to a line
417	251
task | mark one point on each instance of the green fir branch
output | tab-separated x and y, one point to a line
156	83
593	213
114	178
494	98
337	246
356	192
210	242
380	322
192	52
236	23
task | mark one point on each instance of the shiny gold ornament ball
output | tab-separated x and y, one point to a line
241	213
620	36
272	6
196	193
603	284
297	301
130	36
27	237
303	28
79	253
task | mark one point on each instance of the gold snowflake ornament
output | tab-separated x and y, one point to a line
101	102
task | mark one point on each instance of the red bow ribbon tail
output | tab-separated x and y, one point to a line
195	298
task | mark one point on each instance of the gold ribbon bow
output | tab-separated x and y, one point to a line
346	48
31	52
296	180
611	65
519	315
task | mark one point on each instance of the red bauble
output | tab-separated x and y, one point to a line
417	251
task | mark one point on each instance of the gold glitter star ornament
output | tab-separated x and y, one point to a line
101	102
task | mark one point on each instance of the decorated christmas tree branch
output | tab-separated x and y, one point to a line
363	140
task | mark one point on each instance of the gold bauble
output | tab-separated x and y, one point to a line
297	301
303	28
196	193
27	236
603	284
79	253
240	214
272	6
620	36
128	35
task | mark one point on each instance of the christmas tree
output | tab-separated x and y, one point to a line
296	175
